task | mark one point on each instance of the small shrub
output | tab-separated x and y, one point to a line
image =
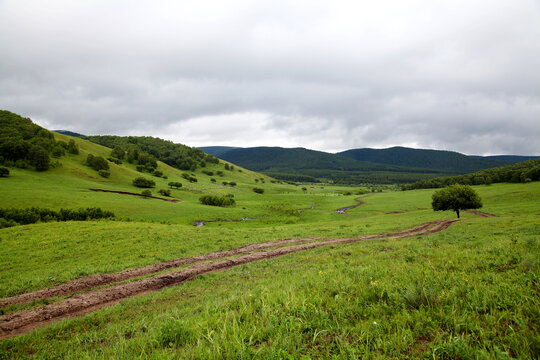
140	168
58	151
258	190
165	192
190	178
115	160
158	173
4	172
213	180
72	148
175	184
146	192
104	173
97	162
143	183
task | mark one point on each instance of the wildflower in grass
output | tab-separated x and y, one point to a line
249	295
374	323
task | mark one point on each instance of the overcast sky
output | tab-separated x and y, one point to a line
459	75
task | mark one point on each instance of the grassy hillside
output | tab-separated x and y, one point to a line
389	278
470	291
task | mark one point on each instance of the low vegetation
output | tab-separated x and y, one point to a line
142	182
13	217
215	200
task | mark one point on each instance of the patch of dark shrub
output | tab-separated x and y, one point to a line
12	217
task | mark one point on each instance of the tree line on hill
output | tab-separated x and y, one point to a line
145	150
24	144
521	172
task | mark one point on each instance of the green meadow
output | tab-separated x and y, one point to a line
468	292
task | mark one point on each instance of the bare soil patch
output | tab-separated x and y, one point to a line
24	321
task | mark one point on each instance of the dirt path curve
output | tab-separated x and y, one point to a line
135	194
342	210
24	321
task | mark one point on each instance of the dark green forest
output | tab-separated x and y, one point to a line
440	160
522	172
25	145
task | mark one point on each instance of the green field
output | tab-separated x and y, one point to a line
470	291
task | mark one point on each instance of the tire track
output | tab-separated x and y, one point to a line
92	281
24	321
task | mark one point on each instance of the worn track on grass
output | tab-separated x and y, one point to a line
92	281
24	321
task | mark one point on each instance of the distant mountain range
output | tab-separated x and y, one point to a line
392	165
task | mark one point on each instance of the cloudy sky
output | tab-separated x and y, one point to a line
460	75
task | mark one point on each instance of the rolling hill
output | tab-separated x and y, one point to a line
393	165
449	161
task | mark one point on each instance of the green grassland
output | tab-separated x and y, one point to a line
470	291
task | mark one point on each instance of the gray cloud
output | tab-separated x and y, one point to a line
328	75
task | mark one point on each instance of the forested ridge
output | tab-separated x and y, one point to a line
176	155
24	144
525	171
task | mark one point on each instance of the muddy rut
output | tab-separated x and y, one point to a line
24	321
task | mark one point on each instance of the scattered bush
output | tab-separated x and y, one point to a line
190	178
72	147
115	160
209	173
165	192
258	190
140	168
58	151
213	180
146	192
214	200
104	173
97	162
175	184
143	183
157	173
4	172
40	158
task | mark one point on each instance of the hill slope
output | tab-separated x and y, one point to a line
448	161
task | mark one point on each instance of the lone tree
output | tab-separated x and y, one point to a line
456	197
